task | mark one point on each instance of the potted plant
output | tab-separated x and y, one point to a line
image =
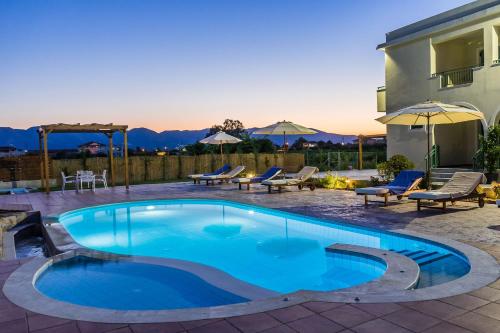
491	150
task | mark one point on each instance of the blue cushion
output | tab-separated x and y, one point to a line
219	171
403	181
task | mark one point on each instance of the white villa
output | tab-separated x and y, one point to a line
452	57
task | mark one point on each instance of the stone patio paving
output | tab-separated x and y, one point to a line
478	311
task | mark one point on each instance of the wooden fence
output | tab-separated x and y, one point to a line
164	168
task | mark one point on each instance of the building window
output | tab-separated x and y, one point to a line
417	127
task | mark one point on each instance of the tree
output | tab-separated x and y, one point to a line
230	126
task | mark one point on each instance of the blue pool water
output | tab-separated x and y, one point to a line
272	249
128	286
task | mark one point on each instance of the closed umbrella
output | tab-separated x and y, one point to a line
430	113
220	138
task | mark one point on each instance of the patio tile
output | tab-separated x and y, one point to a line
64	328
291	313
412	320
254	322
121	330
279	329
157	328
15	326
220	326
315	324
379	326
11	313
436	309
491	310
197	323
495	284
321	306
487	293
445	327
465	301
378	309
39	322
348	315
477	323
91	327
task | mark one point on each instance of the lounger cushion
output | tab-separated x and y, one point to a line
196	176
276	182
241	180
430	195
214	177
372	190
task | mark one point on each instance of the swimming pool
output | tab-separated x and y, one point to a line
272	249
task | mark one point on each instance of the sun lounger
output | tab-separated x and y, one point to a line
461	186
301	179
269	174
220	171
405	183
226	177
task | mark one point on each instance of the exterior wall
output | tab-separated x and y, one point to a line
408	69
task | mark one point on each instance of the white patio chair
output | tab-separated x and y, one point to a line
67	180
102	179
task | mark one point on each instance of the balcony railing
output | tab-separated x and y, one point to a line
456	77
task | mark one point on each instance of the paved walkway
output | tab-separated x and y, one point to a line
478	311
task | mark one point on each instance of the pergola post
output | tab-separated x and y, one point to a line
40	155
360	152
125	151
111	159
46	161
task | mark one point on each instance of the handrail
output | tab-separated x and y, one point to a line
456	76
434	156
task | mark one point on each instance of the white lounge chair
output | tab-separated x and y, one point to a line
224	178
301	179
461	186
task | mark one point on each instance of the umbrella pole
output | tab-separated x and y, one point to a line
428	153
284	151
221	155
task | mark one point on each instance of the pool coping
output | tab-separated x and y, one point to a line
484	270
401	273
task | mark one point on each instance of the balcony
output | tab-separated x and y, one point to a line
456	77
455	60
381	99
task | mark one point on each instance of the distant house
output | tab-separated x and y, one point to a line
92	147
309	144
10	151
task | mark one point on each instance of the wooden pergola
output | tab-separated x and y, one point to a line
106	129
361	138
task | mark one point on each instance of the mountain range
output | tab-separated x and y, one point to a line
27	139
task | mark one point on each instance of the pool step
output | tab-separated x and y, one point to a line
423	257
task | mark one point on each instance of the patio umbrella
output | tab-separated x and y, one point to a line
220	138
430	113
283	128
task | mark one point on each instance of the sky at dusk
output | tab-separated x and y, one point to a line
189	64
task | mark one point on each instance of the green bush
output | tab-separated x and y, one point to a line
491	148
394	166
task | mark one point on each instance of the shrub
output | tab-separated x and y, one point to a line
394	166
331	181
